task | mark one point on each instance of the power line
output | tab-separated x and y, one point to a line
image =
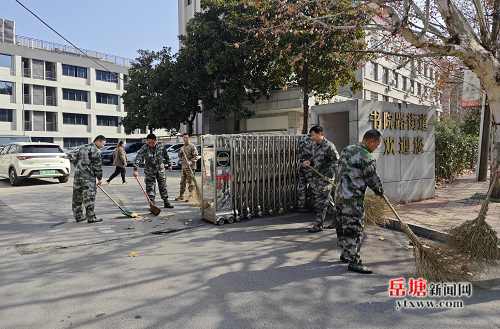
41	20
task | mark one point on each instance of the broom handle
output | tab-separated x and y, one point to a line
321	175
410	233
99	186
488	196
184	155
147	196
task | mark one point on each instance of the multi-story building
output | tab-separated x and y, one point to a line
382	80
54	93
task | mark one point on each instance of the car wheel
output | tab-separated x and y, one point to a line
14	180
64	179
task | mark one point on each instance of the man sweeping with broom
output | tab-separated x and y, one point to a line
189	154
154	154
357	170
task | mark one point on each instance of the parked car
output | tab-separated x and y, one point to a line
23	160
198	162
108	156
173	153
105	152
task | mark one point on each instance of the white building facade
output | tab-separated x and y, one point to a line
53	93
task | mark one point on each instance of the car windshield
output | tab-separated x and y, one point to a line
42	149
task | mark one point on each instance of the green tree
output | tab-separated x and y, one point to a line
471	121
315	59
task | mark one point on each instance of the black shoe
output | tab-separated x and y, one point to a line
315	229
359	267
344	259
302	210
95	220
330	227
167	205
81	219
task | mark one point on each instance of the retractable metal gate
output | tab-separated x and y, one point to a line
248	175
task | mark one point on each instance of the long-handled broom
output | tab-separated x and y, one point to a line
153	208
476	239
432	263
197	195
375	208
125	212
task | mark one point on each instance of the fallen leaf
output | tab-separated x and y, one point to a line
409	247
186	223
133	254
150	220
381	239
190	220
130	228
170	217
141	220
162	222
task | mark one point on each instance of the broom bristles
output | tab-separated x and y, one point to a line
155	210
376	211
197	195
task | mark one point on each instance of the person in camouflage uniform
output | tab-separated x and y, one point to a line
357	170
87	162
189	154
154	154
305	174
324	160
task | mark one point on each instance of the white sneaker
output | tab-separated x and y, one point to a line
108	183
124	182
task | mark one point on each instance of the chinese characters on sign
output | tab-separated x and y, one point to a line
401	121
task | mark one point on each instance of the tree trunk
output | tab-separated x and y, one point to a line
495	144
305	72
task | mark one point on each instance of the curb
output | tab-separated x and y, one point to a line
422	231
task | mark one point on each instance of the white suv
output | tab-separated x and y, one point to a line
19	161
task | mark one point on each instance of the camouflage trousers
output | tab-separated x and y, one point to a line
186	178
150	179
349	226
84	192
305	176
320	193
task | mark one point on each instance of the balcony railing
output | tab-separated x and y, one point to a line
63	49
27	99
50	75
27	73
50	101
50	126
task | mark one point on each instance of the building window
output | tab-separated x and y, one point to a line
385	75
431	74
395	80
74	71
374	96
189	2
410	86
425	71
107	98
405	84
75	119
6	115
385	98
419	89
43	139
5	88
372	74
75	95
104	120
6	60
106	76
111	141
71	142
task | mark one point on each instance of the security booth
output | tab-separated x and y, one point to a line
248	175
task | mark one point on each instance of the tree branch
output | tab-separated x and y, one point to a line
485	34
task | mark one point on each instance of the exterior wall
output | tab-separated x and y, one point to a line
54	87
406	177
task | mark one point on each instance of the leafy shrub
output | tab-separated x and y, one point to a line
455	150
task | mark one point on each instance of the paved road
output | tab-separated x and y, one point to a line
264	273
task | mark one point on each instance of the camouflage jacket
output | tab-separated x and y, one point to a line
325	158
153	158
190	153
306	146
87	162
357	170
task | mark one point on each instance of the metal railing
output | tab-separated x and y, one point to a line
50	75
50	101
64	49
50	126
27	73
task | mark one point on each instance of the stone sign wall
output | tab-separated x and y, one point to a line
406	156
